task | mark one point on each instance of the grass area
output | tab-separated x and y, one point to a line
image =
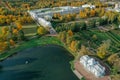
29	26
32	43
101	36
29	29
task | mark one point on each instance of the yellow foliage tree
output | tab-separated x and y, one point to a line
4	30
92	12
84	51
12	43
102	50
19	26
41	30
70	33
15	31
73	46
1	46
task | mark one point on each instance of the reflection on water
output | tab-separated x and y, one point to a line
43	63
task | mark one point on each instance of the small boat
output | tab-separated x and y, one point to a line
26	62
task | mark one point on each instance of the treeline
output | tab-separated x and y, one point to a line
9	36
81	25
18	9
97	17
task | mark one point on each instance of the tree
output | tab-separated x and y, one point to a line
73	46
12	43
92	13
15	31
83	25
112	58
103	49
83	14
41	30
118	18
94	37
21	35
82	78
92	23
4	30
19	26
70	33
83	51
63	36
115	77
68	40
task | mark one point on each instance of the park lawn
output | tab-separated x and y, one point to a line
32	43
29	29
29	25
101	36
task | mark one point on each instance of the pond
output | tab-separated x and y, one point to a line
38	63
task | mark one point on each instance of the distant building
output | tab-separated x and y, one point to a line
117	7
44	16
92	66
103	0
88	6
44	23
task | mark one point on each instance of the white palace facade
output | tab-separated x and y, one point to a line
93	66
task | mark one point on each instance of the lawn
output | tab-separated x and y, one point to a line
101	36
29	29
32	43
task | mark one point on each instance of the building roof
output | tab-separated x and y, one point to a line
92	65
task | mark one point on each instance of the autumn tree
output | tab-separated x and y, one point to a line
73	46
92	13
83	51
41	30
12	43
63	36
19	26
83	14
103	49
114	60
70	33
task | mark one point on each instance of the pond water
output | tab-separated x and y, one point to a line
38	63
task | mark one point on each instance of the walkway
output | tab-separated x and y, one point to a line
77	74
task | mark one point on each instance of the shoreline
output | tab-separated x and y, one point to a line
32	43
29	44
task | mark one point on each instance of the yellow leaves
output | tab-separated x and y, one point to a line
19	26
56	15
101	54
92	12
15	31
84	51
41	30
12	43
70	33
73	46
102	50
113	58
83	14
3	45
4	30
